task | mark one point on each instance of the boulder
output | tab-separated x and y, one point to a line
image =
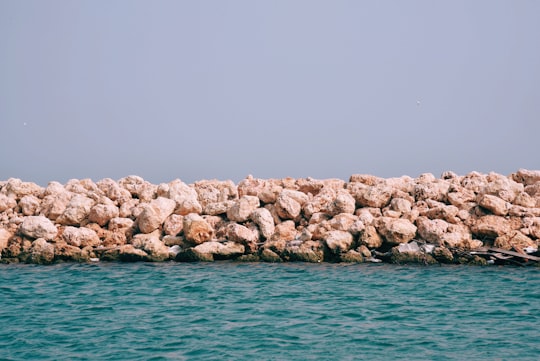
128	253
38	227
216	208
287	207
490	226
138	188
173	225
153	215
80	237
77	211
502	187
267	255
221	250
338	241
215	191
41	252
15	188
435	189
122	225
377	196
7	202
310	251
343	203
242	208
526	177
494	204
396	231
103	213
150	243
243	235
5	236
322	202
264	220
431	230
113	191
186	197
352	256
370	238
196	229
29	205
66	252
285	231
400	205
514	240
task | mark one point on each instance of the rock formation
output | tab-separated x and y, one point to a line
451	219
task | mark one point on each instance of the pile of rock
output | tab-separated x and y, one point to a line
403	219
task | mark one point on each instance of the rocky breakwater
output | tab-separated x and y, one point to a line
476	218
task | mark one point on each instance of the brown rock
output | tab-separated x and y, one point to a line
66	252
243	235
17	189
514	240
310	251
377	196
150	243
217	208
400	205
502	187
138	188
113	191
490	226
38	227
5	236
322	202
196	229
370	238
494	204
267	255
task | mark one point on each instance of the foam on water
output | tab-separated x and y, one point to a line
235	311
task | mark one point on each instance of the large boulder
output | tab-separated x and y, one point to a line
264	220
41	252
343	203
153	215
76	211
113	191
196	229
7	202
221	250
494	204
103	213
29	205
38	227
339	241
377	196
186	197
285	231
173	225
243	235
80	237
370	238
490	226
150	243
242	208
396	231
287	207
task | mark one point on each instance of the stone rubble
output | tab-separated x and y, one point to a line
451	219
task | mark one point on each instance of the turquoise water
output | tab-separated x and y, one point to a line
237	311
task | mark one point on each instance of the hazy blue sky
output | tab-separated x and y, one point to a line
222	89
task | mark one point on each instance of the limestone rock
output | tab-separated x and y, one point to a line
173	225
215	191
431	230
243	235
153	216
494	204
525	200
138	188
243	208
265	190
123	225
436	190
192	255
16	188
221	250
264	220
287	207
157	251
377	196
76	211
42	252
103	213
343	203
80	237
5	236
113	191
217	208
128	253
400	205
514	240
322	202
502	187
267	255
352	256
490	226
310	251
285	231
196	229
7	202
66	252
38	227
370	238
29	205
443	255
339	241
396	230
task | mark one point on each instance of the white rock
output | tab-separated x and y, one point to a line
80	237
243	208
153	215
38	227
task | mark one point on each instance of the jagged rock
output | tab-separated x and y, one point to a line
400	205
150	243
346	222
173	225
287	207
42	252
370	238
155	213
494	204
502	187
214	191
443	255
80	237
170	241
5	236
186	197
514	240
138	188
196	229
343	203
29	205
66	252
192	255
265	190
38	227
217	208
396	230
376	196
76	211
128	253
364	251
310	251
352	256
435	189
113	191
242	208
17	189
442	211
523	199
285	231
321	202
264	220
490	226
242	235
339	241
461	197
431	230
408	256
267	255
526	177
103	213
221	250
7	202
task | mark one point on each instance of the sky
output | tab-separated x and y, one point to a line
217	89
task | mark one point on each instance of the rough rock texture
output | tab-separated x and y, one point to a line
366	219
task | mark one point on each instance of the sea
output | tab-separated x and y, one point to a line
260	311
